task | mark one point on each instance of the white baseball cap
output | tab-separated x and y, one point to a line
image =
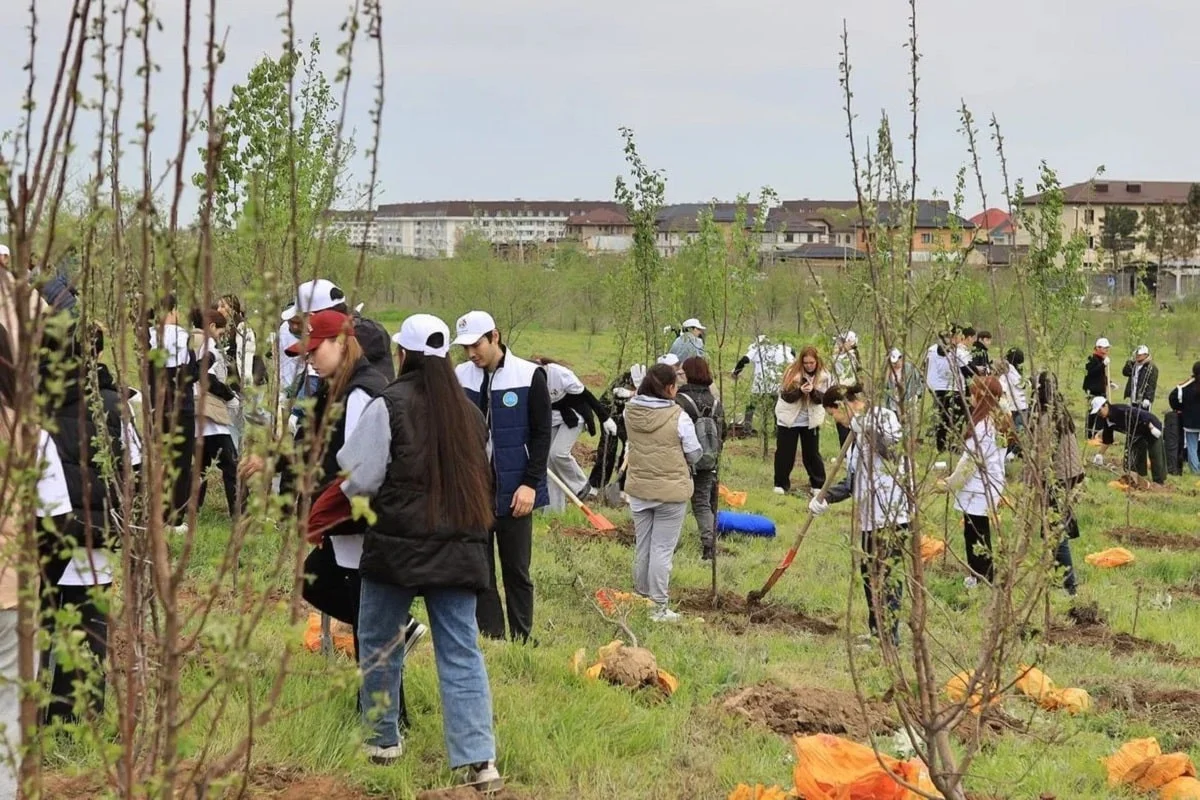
424	333
473	326
313	296
1142	350
1098	403
895	355
693	323
1102	342
670	359
4	250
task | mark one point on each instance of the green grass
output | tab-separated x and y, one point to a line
563	737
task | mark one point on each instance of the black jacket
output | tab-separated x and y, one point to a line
364	377
1094	377
583	406
401	549
1133	422
1147	382
1185	400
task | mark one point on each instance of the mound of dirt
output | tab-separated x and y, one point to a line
807	710
1168	708
266	782
1143	537
731	611
584	454
1137	483
1086	614
630	666
622	535
467	793
1100	635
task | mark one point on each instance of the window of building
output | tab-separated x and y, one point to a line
1089	216
926	238
788	237
1091	243
810	238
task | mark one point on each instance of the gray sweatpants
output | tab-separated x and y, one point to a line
657	532
10	706
704	505
563	464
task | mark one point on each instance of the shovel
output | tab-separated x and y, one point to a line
756	596
597	521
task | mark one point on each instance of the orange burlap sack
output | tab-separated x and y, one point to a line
1129	756
1034	683
343	640
758	792
931	548
1157	772
956	690
1180	789
831	768
732	499
1112	557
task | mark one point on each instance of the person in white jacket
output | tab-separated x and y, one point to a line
978	480
1016	394
874	478
573	408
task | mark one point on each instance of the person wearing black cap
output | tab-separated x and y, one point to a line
420	455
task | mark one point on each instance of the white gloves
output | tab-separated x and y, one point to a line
638	373
610	426
1106	361
1156	432
1146	404
622	393
1098	460
818	506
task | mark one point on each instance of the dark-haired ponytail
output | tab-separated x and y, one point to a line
658	379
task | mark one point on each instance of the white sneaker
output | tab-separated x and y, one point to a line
484	777
179	529
412	635
970	582
780	490
664	614
384	755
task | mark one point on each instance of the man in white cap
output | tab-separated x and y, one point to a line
690	341
1143	430
769	361
514	397
1143	378
1096	380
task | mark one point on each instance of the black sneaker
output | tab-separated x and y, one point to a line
709	553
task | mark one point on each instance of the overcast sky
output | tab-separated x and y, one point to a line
495	99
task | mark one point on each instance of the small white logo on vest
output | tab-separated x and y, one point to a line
509	399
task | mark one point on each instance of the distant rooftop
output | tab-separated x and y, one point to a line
1104	192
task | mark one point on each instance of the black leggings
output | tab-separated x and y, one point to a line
977	532
951	414
809	440
221	451
94	624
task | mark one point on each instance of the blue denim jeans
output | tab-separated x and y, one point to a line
462	675
1191	440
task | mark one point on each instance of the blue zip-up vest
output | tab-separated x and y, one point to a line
508	425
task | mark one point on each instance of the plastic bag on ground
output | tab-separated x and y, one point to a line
832	768
1073	701
1157	772
1112	557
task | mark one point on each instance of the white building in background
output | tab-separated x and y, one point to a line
434	230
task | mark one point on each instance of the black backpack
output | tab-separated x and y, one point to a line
709	434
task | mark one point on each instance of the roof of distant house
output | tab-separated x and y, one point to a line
599	216
686	216
1107	192
994	220
823	252
929	214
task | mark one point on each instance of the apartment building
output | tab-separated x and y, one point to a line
435	229
358	228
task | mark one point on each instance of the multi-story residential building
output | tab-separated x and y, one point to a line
358	228
680	223
1084	208
434	230
601	230
937	231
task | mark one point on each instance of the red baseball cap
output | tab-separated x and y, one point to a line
322	325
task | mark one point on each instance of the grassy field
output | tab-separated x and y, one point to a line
564	737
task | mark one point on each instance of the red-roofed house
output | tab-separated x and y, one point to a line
994	227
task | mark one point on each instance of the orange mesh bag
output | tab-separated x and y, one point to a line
832	768
1130	755
758	792
931	548
1034	683
1180	789
343	642
1112	557
1156	772
732	499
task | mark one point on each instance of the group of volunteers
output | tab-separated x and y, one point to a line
454	461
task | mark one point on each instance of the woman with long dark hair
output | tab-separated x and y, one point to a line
1056	468
799	414
697	401
663	448
978	480
420	453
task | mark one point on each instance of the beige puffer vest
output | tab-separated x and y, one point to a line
214	409
657	468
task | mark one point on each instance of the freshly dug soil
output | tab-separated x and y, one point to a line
807	710
1086	614
266	782
467	793
733	613
993	723
585	454
1168	708
622	535
1139	484
1143	537
1100	635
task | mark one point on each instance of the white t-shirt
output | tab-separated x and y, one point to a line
981	492
937	371
54	499
769	361
206	426
561	382
176	343
347	550
1014	389
84	571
